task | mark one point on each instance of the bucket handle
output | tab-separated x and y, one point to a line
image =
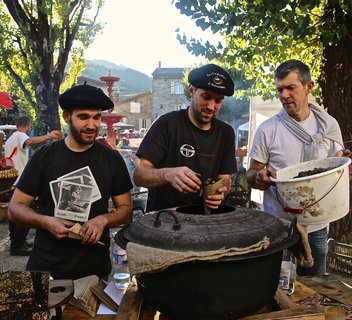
299	210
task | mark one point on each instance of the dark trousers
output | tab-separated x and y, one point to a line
18	233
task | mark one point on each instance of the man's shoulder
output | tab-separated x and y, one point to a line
12	136
222	124
270	122
49	147
16	138
21	134
172	115
167	120
101	148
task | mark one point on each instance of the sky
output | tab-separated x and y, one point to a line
140	33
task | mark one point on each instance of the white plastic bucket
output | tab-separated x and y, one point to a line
319	198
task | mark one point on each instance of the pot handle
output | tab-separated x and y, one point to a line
138	208
157	222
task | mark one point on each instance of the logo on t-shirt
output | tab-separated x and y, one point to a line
187	151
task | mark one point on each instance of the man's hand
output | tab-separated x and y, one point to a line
184	179
262	178
92	230
55	135
59	227
213	201
258	175
347	153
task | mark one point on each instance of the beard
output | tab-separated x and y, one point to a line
79	137
201	119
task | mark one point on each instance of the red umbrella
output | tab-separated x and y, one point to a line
5	100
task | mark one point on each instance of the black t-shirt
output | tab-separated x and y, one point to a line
173	141
69	258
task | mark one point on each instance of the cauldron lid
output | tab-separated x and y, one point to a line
182	229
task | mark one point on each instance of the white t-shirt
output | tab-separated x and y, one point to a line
17	139
276	146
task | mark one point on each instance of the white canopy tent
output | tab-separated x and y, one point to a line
118	125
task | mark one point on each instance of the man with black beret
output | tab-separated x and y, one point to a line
183	149
212	77
100	173
85	97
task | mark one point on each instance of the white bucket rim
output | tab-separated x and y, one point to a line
315	176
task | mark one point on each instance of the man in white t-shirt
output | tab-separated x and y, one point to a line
298	133
17	147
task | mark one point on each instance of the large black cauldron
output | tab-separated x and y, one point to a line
227	288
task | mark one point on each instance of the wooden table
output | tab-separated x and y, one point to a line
131	308
73	313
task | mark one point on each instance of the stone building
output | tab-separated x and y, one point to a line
168	91
136	110
168	94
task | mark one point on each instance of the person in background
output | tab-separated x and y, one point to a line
184	148
17	146
101	172
142	132
300	132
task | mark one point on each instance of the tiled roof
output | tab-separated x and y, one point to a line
136	96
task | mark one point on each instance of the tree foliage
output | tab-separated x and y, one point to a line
257	35
37	39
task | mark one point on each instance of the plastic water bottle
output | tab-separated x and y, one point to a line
288	272
121	273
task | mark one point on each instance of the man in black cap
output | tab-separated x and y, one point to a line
182	149
77	160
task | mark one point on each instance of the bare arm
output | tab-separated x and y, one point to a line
258	175
20	212
343	153
53	135
182	179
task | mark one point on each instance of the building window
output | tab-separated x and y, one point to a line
180	106
144	123
177	88
135	107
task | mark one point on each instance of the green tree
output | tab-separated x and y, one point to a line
257	35
37	39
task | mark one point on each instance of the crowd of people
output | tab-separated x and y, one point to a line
178	154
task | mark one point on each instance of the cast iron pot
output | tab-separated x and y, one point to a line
227	288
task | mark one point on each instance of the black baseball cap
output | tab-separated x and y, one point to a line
85	97
211	76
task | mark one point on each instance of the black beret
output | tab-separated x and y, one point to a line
85	97
212	77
